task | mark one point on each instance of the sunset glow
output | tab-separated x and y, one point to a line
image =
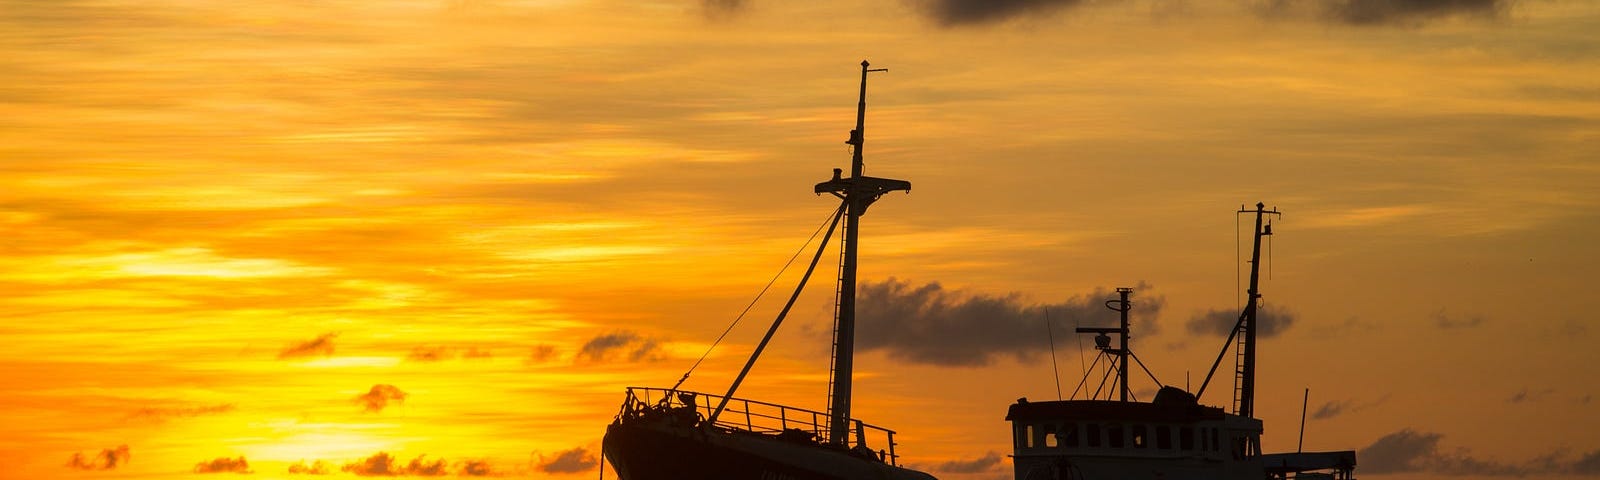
412	237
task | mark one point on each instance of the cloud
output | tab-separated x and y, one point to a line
1410	451
1528	396
1340	407
380	464
721	9
977	465
541	354
318	467
425	468
438	353
322	345
379	396
107	459
972	12
475	468
1449	323
164	413
1379	12
223	465
1399	452
1589	464
428	354
1270	321
603	347
568	461
930	325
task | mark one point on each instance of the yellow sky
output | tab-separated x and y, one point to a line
304	231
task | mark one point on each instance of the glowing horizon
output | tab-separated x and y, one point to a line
455	230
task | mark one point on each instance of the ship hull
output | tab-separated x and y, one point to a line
668	452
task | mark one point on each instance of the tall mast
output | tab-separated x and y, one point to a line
1247	320
858	191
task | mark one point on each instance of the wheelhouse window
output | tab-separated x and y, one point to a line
1164	437
1141	436
1186	438
1069	435
1051	440
1024	436
1114	437
1092	434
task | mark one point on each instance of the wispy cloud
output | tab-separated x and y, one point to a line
633	346
1450	322
223	465
983	464
438	353
1340	407
1388	12
1271	320
975	12
322	345
378	397
575	460
932	325
318	467
107	459
721	9
159	414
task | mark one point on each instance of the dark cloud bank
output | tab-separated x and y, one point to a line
966	13
1411	451
931	325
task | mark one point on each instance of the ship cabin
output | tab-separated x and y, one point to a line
1171	437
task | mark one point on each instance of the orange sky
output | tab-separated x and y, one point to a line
312	231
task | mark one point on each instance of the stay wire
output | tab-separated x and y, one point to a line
831	219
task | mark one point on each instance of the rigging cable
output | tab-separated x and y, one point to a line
832	218
837	214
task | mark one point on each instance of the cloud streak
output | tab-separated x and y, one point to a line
107	459
223	465
322	345
951	13
615	345
982	464
1270	322
931	325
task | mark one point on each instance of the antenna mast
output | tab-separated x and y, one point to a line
1247	320
1245	329
858	192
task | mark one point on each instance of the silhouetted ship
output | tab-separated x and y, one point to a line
1171	437
671	434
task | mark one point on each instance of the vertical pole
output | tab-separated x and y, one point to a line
1303	402
845	333
1122	369
1248	389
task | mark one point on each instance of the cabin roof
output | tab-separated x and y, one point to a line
1110	410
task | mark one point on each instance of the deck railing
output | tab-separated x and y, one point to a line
762	417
